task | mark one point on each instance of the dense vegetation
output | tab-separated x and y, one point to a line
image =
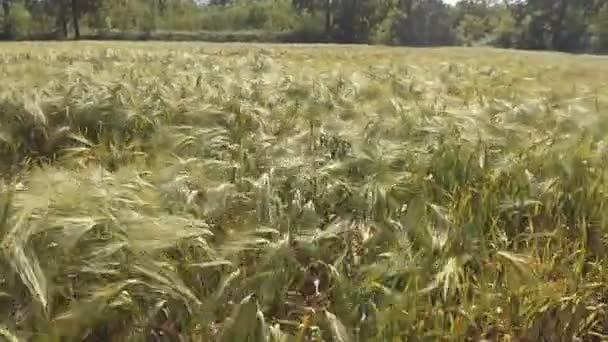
169	192
564	25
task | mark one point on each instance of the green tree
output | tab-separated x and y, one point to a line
6	12
559	25
564	25
472	29
505	28
17	20
78	9
600	29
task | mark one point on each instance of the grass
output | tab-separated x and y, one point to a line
231	192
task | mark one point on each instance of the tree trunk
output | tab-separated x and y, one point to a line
407	6
75	17
6	7
63	22
348	18
327	17
558	25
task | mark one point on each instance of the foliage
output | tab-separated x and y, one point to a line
271	193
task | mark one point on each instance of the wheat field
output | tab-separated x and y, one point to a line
230	192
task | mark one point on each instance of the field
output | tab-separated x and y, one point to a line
203	192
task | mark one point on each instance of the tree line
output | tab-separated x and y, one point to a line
562	25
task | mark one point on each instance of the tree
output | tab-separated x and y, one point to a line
406	7
472	29
600	29
76	17
6	9
557	24
505	28
79	8
17	19
328	9
58	9
565	25
347	18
